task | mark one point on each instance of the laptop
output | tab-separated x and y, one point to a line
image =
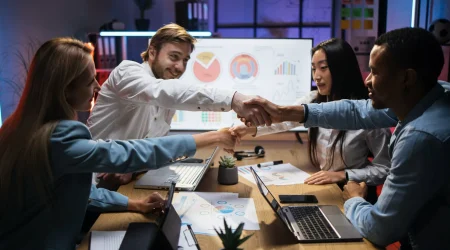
186	175
164	234
311	224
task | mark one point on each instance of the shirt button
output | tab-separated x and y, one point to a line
198	107
222	109
155	118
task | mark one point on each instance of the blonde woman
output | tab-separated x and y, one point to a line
47	157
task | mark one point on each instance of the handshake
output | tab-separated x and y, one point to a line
255	111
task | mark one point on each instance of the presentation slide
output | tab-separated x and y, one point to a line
276	69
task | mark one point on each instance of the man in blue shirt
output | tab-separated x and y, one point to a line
403	89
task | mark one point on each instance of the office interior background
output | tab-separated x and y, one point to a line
25	24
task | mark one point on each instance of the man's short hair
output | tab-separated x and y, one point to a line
170	33
414	48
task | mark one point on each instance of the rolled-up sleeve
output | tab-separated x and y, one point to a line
349	115
415	178
133	83
103	200
73	151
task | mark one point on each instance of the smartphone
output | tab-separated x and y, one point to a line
297	198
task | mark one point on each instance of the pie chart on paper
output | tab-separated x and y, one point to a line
206	67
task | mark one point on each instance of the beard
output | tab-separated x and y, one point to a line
157	69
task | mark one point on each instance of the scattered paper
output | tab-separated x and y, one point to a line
106	240
206	211
282	174
111	240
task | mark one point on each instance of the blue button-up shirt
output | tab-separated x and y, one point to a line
420	170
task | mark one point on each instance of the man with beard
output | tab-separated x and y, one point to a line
139	100
404	92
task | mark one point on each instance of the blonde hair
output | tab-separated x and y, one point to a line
25	135
170	33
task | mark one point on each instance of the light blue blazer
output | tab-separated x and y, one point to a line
74	157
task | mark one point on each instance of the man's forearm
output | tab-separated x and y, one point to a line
293	113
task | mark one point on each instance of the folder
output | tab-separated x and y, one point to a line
100	53
205	17
107	53
190	21
112	54
194	16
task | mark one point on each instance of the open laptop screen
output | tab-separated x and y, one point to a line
270	198
162	218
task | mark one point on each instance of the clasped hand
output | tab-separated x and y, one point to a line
272	112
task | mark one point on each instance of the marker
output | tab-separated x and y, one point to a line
269	163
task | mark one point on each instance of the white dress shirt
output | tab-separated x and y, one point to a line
133	104
356	147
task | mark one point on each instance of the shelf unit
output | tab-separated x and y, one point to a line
300	24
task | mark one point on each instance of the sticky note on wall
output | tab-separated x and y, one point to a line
368	13
345	12
368	24
356	24
356	12
345	24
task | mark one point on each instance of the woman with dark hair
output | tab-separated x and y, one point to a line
340	155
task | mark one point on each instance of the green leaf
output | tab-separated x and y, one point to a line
244	239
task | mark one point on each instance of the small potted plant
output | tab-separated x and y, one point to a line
143	5
228	174
231	240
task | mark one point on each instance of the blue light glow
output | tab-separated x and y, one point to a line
149	33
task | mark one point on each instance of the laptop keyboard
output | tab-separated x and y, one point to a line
185	174
313	225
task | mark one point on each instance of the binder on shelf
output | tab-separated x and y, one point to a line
99	53
195	13
107	53
205	16
192	15
112	52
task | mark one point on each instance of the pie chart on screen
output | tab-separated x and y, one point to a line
206	67
243	68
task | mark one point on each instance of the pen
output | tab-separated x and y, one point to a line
269	163
193	236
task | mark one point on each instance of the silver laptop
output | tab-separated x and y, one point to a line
311	224
186	175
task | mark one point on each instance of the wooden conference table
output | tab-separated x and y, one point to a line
273	234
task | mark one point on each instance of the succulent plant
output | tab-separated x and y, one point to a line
227	161
231	240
